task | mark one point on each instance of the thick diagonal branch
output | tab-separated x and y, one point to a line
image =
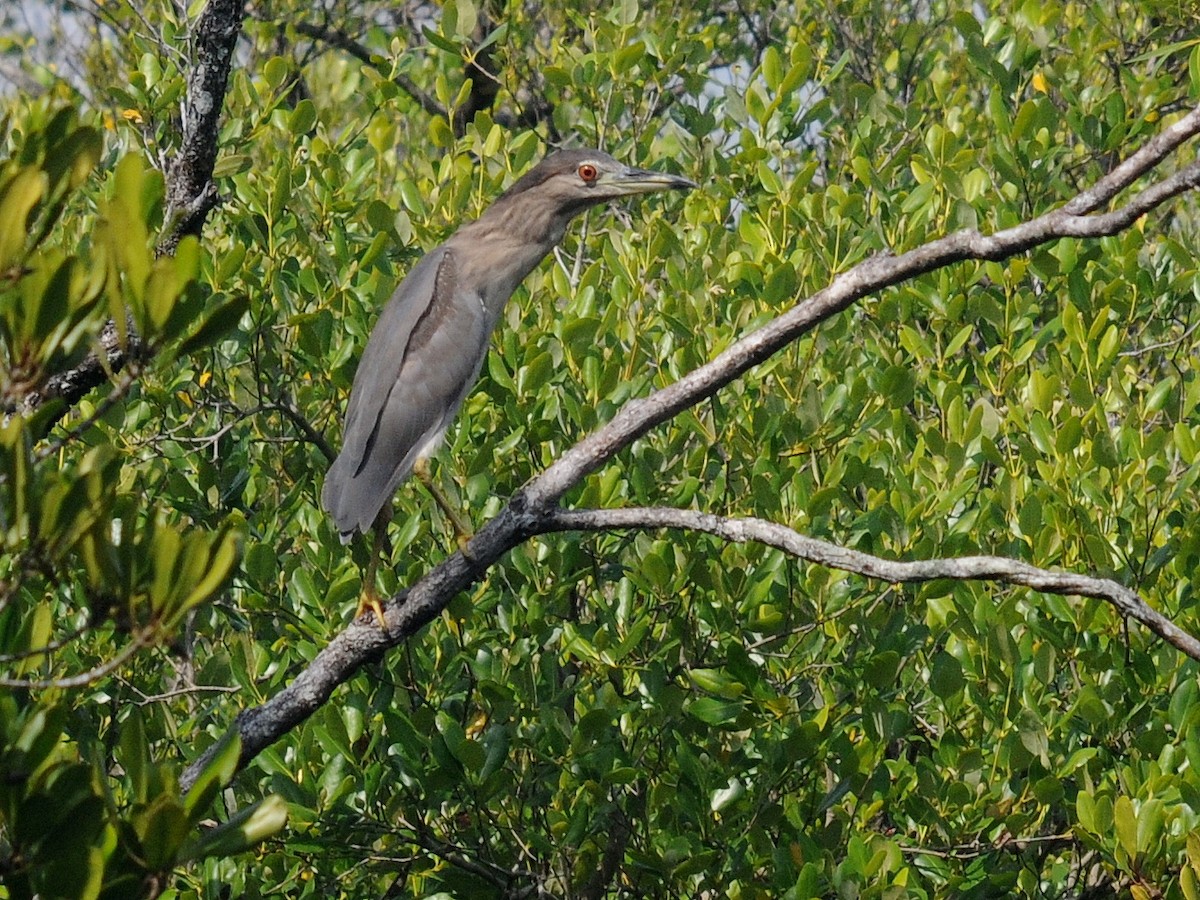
534	509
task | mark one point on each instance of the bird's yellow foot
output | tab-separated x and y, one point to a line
464	541
370	600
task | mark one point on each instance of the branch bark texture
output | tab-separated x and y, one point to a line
191	192
535	508
834	556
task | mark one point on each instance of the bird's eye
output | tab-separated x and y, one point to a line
588	172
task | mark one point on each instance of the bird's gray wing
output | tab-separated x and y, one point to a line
419	363
383	358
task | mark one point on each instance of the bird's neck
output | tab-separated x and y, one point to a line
506	243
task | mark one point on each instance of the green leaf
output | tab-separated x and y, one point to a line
946	676
713	711
1085	811
222	319
135	755
244	830
772	68
1188	883
216	562
1125	822
163	829
1150	820
276	70
715	682
18	196
217	773
303	117
1193	850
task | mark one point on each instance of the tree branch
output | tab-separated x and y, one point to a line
191	192
83	679
833	556
484	86
71	386
534	505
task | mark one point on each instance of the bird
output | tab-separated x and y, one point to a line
429	343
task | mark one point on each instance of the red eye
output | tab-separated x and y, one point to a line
588	172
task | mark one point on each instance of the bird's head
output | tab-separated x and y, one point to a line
576	179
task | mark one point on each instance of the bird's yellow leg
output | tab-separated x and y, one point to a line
369	598
462	529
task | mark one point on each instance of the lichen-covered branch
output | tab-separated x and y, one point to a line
191	192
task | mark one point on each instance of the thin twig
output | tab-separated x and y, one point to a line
286	406
146	699
977	848
119	390
1161	345
47	649
339	39
83	679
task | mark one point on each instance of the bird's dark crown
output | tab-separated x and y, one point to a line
559	163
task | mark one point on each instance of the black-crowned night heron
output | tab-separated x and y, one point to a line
431	339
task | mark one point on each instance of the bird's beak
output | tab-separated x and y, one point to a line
644	181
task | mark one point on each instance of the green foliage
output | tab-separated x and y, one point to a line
74	833
69	519
92	566
678	716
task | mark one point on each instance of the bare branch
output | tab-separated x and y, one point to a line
1161	345
833	556
423	837
287	406
614	853
71	386
191	192
533	508
118	392
1048	842
477	66
1145	158
46	649
145	699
